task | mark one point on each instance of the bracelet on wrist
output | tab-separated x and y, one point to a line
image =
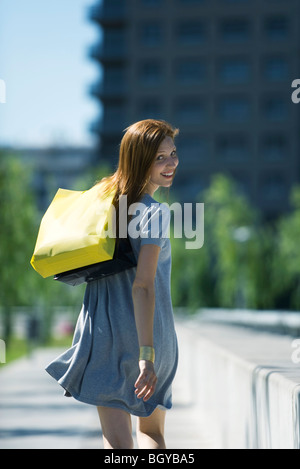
147	353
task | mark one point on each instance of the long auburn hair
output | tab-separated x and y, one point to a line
138	149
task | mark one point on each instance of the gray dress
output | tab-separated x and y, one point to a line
101	366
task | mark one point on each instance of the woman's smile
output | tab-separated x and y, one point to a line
168	175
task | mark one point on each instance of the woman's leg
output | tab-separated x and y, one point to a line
116	428
150	430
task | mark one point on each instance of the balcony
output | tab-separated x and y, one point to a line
105	52
108	14
108	127
109	91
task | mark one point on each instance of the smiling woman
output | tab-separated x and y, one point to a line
124	354
164	167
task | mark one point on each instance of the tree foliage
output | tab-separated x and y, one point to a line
245	262
20	218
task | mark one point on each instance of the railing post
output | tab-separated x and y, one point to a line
2	351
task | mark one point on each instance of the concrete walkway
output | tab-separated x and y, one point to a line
34	414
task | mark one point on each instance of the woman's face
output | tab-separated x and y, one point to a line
163	168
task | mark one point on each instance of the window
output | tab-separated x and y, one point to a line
190	72
274	108
150	73
274	147
113	75
150	109
189	111
113	112
276	28
275	69
114	80
235	30
113	3
151	3
113	118
192	147
234	109
114	38
273	187
192	2
151	34
233	147
191	33
234	71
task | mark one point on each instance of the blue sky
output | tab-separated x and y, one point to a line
45	65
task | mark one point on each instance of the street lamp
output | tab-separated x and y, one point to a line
241	236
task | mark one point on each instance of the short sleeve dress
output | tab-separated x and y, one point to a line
101	366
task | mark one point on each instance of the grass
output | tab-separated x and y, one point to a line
65	341
19	347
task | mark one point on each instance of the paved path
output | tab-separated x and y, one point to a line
34	414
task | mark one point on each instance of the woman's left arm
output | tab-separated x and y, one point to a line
143	295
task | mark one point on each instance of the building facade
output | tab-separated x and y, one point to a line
56	167
219	70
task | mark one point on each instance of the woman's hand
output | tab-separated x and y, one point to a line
146	382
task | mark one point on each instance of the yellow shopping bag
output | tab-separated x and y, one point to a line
73	232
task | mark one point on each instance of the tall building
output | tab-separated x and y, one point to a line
221	71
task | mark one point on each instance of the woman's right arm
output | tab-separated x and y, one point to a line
143	295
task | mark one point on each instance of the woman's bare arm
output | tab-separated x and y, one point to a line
143	295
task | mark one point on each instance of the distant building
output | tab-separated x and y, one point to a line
221	71
55	167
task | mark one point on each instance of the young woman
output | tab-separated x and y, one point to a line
124	353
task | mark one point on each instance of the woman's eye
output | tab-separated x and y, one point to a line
173	154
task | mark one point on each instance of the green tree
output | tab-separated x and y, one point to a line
230	222
17	223
286	264
243	262
191	280
262	284
192	284
20	284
